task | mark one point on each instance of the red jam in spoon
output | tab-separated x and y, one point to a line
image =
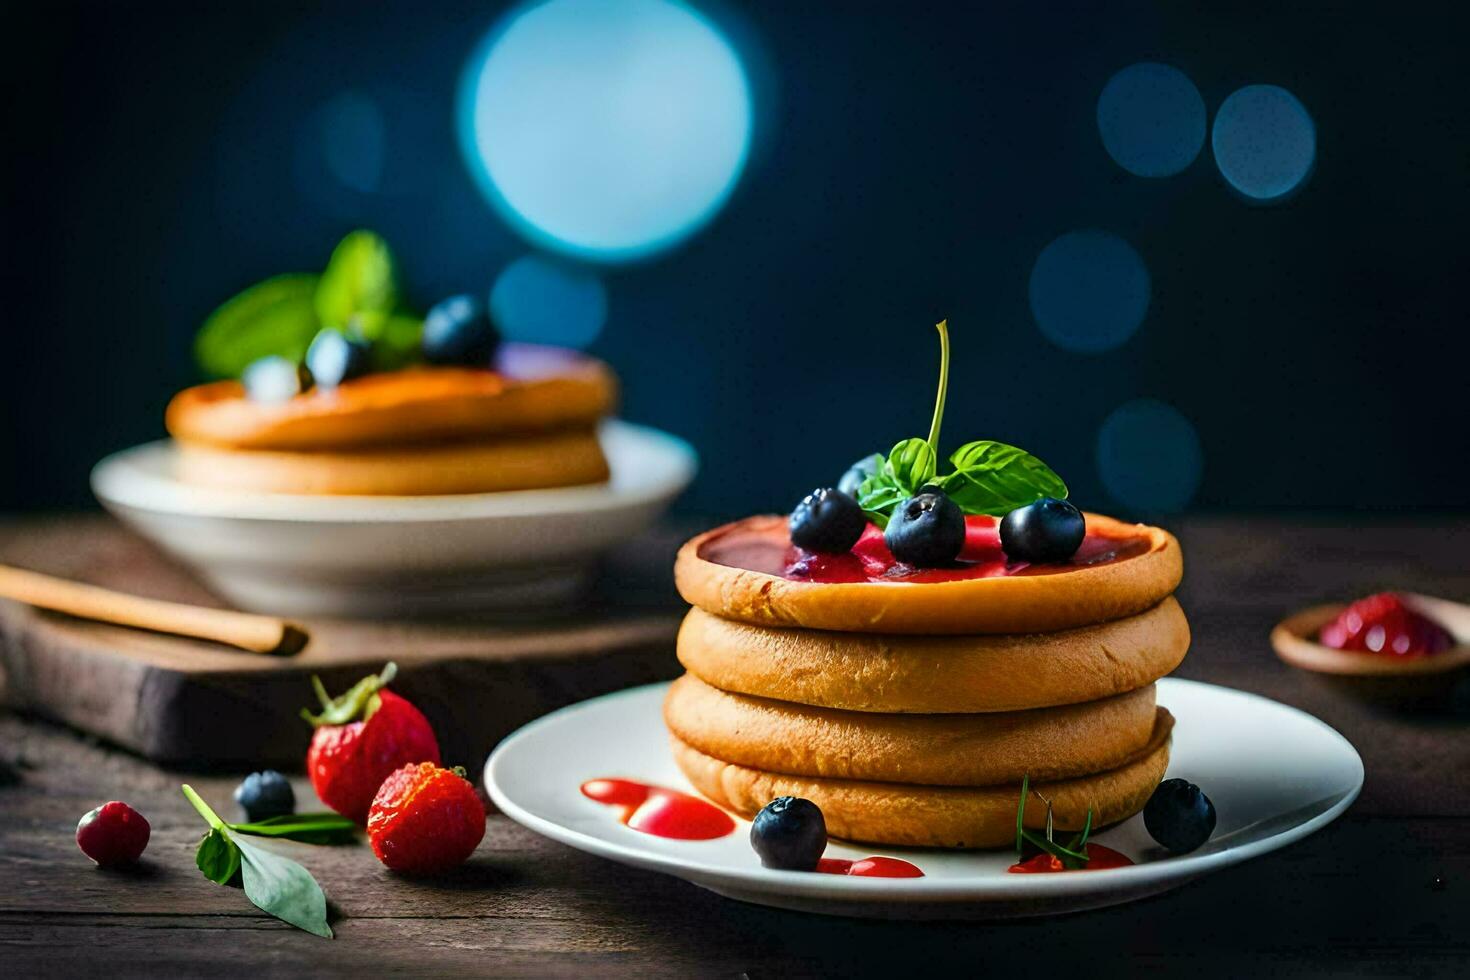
661	812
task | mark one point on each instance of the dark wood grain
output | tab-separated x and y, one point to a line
1385	891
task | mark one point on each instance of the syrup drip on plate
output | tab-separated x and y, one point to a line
1100	858
661	812
873	867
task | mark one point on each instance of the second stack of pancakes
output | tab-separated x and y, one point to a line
921	733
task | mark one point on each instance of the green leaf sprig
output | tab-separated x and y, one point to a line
1073	854
277	885
988	478
358	293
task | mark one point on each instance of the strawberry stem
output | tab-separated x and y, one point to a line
202	807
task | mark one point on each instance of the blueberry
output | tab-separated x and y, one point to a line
827	520
790	834
1049	530
265	794
1179	816
926	530
273	380
334	357
857	473
458	330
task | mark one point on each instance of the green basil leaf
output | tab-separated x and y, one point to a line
308	828
284	889
878	495
218	857
910	466
398	343
994	478
274	317
359	279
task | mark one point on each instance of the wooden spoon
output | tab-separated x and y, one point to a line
257	634
1295	640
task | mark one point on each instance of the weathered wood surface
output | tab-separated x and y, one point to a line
184	701
1384	892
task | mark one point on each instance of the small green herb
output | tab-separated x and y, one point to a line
357	293
277	885
1073	854
989	477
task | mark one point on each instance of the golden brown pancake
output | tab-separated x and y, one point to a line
554	459
542	389
1027	603
935	816
935	674
940	750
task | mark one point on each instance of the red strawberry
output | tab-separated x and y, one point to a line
1384	623
425	820
361	737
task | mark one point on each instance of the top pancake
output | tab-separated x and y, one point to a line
533	389
1066	598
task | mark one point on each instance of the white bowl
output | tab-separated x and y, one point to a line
375	557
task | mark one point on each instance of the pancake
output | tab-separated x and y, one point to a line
935	674
534	390
935	816
940	750
1040	599
555	459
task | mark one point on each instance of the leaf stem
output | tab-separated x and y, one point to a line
943	327
202	807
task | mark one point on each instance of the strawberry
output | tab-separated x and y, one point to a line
1384	623
361	737
425	820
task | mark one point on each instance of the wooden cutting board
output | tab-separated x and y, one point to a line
194	704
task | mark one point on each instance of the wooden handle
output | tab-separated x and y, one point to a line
258	634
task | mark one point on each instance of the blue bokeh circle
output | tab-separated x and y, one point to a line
1151	119
1264	141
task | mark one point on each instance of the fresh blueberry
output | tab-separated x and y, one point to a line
927	530
1179	816
1049	530
827	520
790	834
265	794
458	330
273	380
334	357
857	473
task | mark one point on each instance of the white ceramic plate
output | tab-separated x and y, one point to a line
1275	774
388	556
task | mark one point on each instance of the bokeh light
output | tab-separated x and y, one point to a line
608	131
543	301
1265	142
1149	456
1151	119
1089	291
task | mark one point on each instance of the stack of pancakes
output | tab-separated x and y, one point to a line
529	424
909	712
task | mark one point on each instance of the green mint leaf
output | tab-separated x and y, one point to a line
275	317
994	478
218	857
359	279
307	828
360	701
281	887
910	466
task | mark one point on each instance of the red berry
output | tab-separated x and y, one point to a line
425	820
113	834
347	763
1384	623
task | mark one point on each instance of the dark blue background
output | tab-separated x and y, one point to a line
912	161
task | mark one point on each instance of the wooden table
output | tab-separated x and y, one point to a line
1384	891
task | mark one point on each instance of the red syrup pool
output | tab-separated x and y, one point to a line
1100	858
661	812
873	867
768	549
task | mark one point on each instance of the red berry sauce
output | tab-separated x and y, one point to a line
661	812
1384	623
1099	859
873	867
762	550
